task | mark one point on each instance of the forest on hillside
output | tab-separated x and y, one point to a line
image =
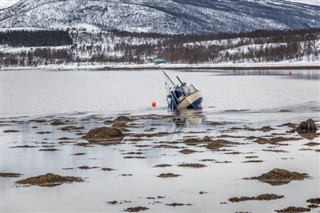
80	46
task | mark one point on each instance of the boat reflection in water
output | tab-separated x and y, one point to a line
187	118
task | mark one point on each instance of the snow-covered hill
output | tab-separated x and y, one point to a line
312	2
164	16
8	3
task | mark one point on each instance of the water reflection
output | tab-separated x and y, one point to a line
297	74
185	118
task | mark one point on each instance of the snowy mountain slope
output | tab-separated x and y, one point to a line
163	16
9	3
312	2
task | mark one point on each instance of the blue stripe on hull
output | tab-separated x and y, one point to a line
196	104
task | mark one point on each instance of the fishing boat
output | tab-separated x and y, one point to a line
182	96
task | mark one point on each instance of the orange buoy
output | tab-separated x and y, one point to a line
153	104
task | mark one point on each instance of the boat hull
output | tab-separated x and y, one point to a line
192	101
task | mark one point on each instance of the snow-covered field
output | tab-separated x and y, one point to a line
205	66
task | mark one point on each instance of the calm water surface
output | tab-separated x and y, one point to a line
29	93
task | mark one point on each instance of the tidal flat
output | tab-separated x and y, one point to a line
176	164
247	157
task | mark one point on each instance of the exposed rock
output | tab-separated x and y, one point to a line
57	122
202	192
104	135
71	128
162	165
313	206
208	160
133	153
49	150
274	140
38	120
120	123
230	136
291	125
312	144
136	157
187	151
253	161
178	204
9	175
266	129
168	175
310	136
252	156
64	138
233	153
107	169
196	141
44	132
243	128
217	144
192	165
83	144
136	209
314	200
293	209
88	167
259	197
122	118
49	180
115	202
79	153
223	161
279	177
275	150
11	131
307	126
23	146
167	146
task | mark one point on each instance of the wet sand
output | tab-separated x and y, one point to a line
158	162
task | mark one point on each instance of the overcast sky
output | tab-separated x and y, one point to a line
8	3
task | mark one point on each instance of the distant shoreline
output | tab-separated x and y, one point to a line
185	67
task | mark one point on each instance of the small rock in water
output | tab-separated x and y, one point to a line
279	176
9	175
293	209
307	126
104	135
136	209
49	180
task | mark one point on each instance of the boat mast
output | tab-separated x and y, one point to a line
180	80
173	84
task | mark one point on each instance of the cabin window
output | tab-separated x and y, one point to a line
192	89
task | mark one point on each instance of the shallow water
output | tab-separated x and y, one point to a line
87	99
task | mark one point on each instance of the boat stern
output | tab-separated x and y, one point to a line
192	101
